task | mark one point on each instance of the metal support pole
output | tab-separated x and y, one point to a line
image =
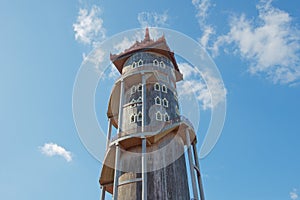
103	193
198	174
144	102
108	133
117	173
144	169
191	164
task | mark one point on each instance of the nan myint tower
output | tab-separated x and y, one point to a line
146	157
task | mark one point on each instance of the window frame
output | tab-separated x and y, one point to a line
156	114
165	102
162	64
139	116
155	63
157	84
133	65
155	100
140	87
133	102
140	63
164	88
133	88
166	116
134	118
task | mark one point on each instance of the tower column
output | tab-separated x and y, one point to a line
108	133
117	173
144	169
191	164
198	172
144	102
144	141
117	156
103	193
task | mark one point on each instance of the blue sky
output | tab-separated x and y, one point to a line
255	44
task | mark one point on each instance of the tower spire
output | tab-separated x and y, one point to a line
147	35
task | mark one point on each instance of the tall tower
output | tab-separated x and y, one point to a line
146	158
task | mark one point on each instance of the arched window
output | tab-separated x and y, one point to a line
165	102
164	89
158	116
156	87
132	118
157	100
133	89
140	63
140	87
155	62
133	65
133	103
139	99
162	64
139	116
167	118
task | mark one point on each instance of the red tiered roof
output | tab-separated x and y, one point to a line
159	46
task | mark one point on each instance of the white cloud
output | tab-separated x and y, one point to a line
124	44
89	26
271	45
152	19
208	31
195	83
294	194
202	7
51	149
96	57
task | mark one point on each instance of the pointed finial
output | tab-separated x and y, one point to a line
147	36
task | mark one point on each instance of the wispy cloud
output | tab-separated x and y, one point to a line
202	7
89	26
51	149
294	194
153	19
271	45
196	83
96	57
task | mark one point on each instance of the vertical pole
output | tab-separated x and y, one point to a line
200	185
144	102
144	169
108	133
117	156
103	193
117	173
120	116
191	164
